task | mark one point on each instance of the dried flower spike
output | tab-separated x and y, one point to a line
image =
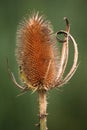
37	53
41	66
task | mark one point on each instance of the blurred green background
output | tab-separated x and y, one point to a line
67	108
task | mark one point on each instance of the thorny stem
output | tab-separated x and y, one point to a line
42	110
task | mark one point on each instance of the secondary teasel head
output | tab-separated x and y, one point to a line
41	65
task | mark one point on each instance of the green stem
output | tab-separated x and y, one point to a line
42	110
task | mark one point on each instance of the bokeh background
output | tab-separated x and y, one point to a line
67	107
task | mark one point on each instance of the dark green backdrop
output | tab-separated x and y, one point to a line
67	108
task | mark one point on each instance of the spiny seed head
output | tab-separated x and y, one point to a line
37	53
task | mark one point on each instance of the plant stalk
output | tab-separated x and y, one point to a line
42	110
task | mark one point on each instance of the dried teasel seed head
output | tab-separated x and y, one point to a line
37	53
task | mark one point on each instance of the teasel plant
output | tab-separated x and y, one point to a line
41	65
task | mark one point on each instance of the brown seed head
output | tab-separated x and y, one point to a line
37	53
